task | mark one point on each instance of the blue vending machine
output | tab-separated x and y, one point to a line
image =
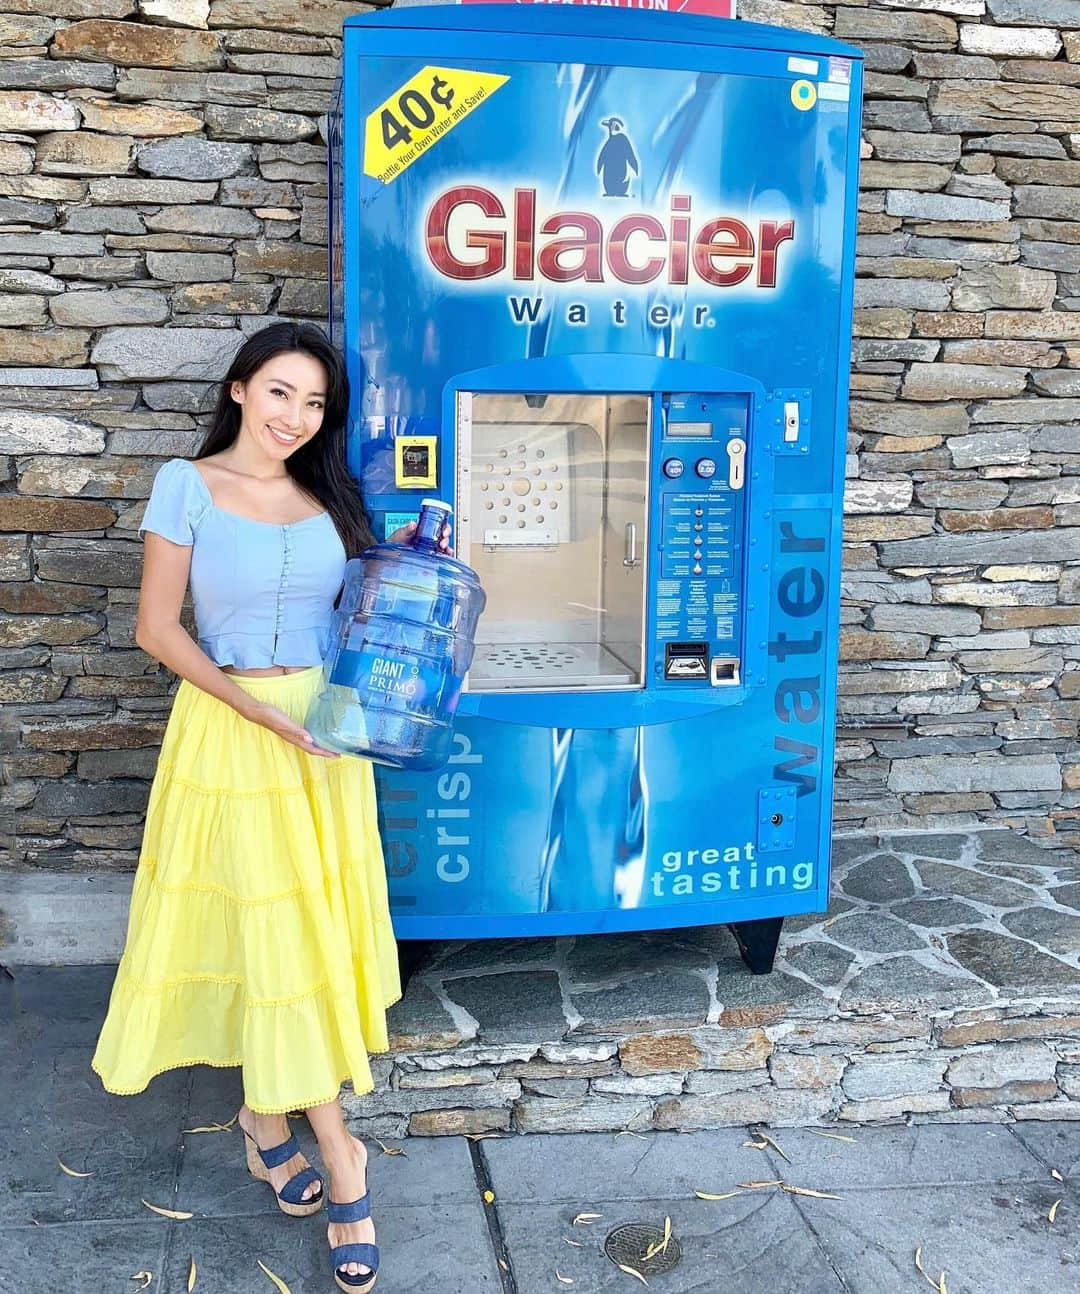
592	272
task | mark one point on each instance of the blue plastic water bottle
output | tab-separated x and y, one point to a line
401	646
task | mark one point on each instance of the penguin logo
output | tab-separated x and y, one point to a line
616	160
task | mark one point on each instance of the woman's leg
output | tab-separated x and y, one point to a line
345	1160
271	1130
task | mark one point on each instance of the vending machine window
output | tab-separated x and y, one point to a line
554	520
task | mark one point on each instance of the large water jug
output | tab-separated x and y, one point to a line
401	644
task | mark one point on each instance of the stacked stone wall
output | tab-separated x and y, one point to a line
162	195
969	1067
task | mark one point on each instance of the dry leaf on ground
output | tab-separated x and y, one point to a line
389	1150
630	1271
1053	1211
938	1284
192	1275
586	1218
762	1186
660	1246
489	1197
480	1136
71	1171
805	1190
1056	1175
566	1280
576	1243
833	1136
769	1141
178	1214
213	1127
145	1277
280	1285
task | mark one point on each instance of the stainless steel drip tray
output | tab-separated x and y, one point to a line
501	666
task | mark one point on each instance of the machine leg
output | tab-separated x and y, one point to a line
757	942
411	954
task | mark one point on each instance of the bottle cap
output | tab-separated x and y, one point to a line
436	503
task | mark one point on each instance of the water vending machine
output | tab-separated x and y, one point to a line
592	272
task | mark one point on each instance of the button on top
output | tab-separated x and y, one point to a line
283	580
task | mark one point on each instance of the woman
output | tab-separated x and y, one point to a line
260	931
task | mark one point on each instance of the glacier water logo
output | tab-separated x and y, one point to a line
472	232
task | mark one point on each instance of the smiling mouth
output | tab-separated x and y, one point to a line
282	438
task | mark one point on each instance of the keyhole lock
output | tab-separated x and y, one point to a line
776	819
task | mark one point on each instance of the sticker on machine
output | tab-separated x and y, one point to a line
803	95
419	113
830	90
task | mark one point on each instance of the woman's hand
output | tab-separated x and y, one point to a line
270	717
405	533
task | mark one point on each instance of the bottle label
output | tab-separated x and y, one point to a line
383	679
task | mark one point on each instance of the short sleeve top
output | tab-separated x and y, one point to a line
263	593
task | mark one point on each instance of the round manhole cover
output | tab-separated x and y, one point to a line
627	1244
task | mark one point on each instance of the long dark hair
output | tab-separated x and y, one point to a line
319	466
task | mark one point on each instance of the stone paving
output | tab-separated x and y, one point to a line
944	982
497	1215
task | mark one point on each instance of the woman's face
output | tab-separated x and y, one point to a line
282	403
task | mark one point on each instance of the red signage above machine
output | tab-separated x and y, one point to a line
711	8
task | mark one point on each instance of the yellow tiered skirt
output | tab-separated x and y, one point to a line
259	932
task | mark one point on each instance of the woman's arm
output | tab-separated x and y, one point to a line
158	631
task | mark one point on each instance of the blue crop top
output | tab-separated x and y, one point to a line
264	594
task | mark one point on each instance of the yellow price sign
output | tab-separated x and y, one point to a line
418	115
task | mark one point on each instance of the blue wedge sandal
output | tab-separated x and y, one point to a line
342	1255
291	1196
